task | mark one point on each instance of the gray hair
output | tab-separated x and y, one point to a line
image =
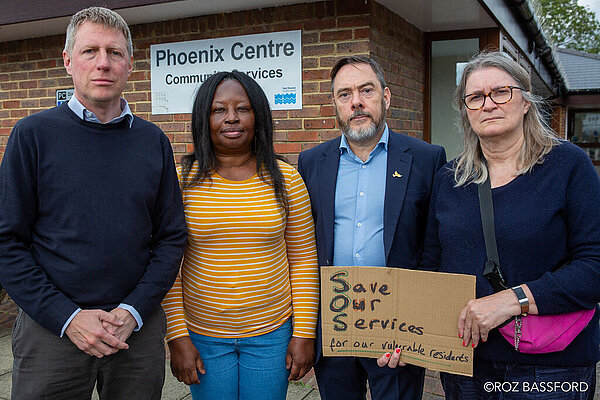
99	15
470	166
357	60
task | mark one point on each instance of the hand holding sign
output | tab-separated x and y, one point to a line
391	360
370	310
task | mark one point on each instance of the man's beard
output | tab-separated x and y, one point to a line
362	134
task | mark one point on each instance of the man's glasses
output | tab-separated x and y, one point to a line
501	95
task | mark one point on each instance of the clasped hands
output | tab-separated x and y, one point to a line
99	333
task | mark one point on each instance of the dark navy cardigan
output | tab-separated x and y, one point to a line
543	219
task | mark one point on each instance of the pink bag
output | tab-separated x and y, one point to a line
534	334
531	334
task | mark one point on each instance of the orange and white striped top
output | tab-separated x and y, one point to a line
247	266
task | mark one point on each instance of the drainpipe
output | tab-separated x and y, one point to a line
523	12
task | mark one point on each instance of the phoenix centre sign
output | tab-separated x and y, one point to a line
274	60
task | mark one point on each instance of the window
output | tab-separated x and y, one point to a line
447	52
584	131
448	58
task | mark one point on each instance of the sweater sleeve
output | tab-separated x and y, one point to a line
302	258
168	240
577	285
173	302
25	281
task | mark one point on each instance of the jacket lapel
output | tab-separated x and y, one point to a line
396	182
328	170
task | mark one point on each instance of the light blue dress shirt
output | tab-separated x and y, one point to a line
86	115
359	199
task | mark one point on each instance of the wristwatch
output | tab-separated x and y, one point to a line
523	300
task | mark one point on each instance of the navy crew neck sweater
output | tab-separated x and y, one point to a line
90	216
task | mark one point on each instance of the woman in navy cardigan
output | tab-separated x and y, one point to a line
546	197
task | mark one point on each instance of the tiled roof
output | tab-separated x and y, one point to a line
580	70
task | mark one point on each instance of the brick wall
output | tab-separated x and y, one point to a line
399	48
558	120
32	70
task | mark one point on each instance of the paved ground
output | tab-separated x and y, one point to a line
174	390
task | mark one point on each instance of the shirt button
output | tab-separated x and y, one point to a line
362	194
364	166
359	224
357	255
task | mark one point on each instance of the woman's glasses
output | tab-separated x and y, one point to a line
501	95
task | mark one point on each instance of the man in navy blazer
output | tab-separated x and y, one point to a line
370	192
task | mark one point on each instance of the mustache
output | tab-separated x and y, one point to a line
360	113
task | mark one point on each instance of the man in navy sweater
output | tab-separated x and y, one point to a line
92	230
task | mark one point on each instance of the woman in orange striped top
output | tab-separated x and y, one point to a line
250	268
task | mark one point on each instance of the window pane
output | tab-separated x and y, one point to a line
586	128
448	59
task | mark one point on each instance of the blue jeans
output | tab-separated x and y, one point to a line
498	381
247	368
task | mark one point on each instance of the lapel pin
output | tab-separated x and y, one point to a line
397	175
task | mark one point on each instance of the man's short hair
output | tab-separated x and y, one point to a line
357	60
99	15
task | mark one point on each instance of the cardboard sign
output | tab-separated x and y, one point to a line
368	311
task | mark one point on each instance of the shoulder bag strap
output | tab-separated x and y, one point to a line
492	270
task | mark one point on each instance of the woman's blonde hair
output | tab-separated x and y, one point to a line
469	166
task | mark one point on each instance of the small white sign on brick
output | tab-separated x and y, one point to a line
63	95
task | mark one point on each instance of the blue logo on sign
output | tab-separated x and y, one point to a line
285	98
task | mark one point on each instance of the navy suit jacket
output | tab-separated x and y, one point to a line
406	201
